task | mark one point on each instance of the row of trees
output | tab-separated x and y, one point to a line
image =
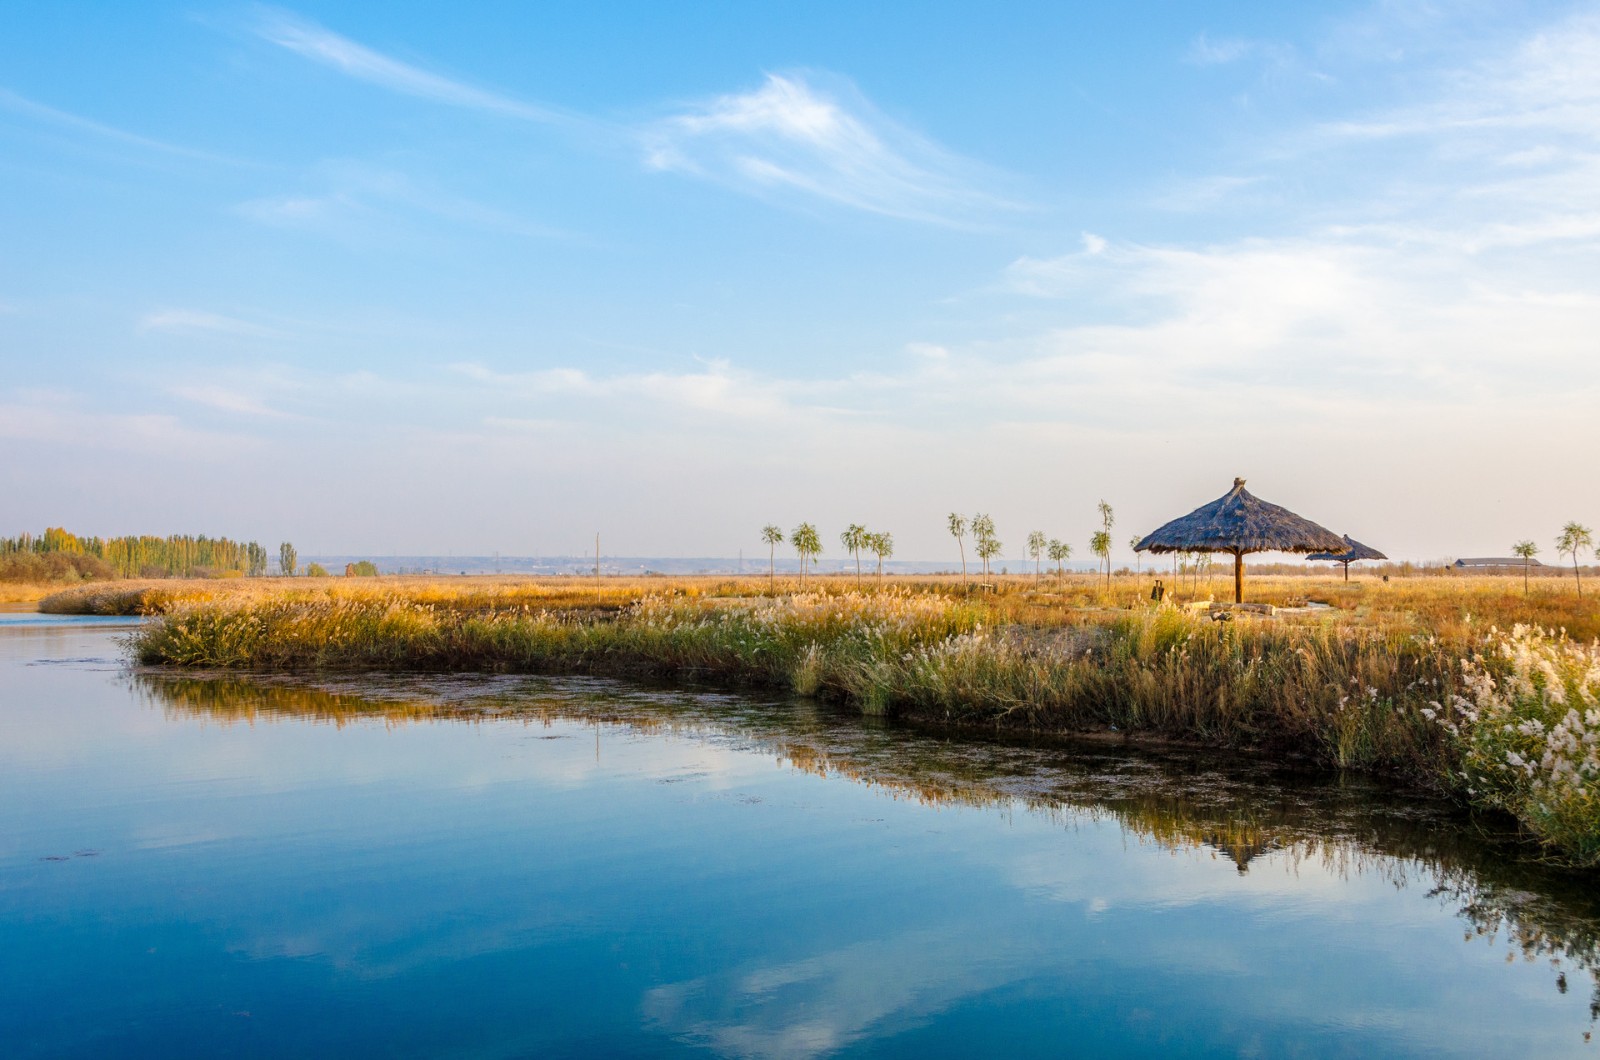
180	555
288	565
1574	538
177	556
857	539
987	545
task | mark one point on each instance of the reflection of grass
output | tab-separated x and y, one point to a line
1354	687
1178	800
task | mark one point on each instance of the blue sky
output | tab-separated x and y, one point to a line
384	278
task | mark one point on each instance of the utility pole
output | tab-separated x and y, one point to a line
597	568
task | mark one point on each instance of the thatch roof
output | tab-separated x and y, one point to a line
1355	551
1240	522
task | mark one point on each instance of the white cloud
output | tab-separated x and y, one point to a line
61	421
17	104
197	321
227	400
787	139
359	193
790	138
320	45
295	210
1205	51
1274	58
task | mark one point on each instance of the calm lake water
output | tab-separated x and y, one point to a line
512	866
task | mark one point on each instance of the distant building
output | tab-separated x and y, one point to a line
1481	562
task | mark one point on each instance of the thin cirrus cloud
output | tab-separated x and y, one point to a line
358	190
197	322
790	136
226	400
39	112
327	48
1547	87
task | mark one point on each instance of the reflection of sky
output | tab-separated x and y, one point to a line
505	887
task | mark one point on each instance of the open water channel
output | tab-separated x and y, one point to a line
496	866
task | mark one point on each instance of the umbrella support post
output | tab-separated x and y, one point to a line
1238	578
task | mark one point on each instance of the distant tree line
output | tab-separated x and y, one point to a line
177	556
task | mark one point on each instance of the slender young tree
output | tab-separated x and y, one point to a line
1527	550
854	539
1575	538
988	546
1100	545
1106	519
958	530
286	559
773	536
1060	551
882	546
808	543
1037	543
1138	557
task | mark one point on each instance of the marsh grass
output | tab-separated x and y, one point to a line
1354	685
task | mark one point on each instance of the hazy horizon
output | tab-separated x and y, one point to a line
393	281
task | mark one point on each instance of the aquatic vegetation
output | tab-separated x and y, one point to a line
1527	725
1348	687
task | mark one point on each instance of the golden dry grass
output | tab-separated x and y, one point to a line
1359	681
27	592
1449	607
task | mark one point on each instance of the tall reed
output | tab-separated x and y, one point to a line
1342	694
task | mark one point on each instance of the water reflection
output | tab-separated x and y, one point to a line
1250	813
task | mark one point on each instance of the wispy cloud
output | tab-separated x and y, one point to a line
1204	51
198	321
355	190
62	419
716	389
1549	83
323	46
226	400
28	108
788	138
792	138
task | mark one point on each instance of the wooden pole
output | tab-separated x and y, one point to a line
1238	577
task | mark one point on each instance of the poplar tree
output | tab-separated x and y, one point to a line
1060	551
1037	543
988	545
1103	538
1527	550
882	546
854	539
773	537
958	530
1574	538
808	543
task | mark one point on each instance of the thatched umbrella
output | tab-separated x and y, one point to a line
1354	550
1240	523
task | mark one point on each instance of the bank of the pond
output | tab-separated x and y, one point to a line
1509	721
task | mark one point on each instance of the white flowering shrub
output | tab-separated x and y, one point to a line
1527	724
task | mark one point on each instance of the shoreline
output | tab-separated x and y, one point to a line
1428	713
